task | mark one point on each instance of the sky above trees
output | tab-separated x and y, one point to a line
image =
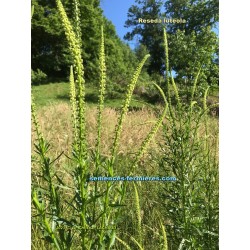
116	11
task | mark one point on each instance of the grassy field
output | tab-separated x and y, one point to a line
58	92
54	114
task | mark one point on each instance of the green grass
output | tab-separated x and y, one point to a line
58	92
50	93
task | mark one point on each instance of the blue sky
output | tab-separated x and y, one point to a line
116	11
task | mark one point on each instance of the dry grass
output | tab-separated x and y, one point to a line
55	122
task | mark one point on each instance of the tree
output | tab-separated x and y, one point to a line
120	60
192	45
150	35
49	47
141	51
190	52
198	14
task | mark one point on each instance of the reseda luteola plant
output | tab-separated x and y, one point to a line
75	50
89	219
190	203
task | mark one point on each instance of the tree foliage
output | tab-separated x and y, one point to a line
49	46
192	45
149	35
190	52
198	14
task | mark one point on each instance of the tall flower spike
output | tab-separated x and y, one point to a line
165	245
153	131
35	120
72	40
73	102
176	93
166	62
123	243
205	109
138	213
77	18
124	111
205	100
79	72
195	83
102	68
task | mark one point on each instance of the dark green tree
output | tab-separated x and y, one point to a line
48	44
140	51
192	45
49	47
149	35
120	61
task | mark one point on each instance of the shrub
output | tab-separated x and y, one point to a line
38	77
